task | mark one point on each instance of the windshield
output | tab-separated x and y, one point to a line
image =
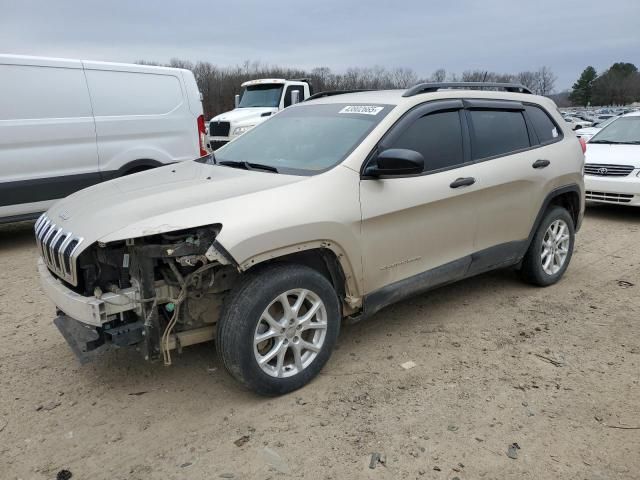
305	139
605	123
623	130
261	96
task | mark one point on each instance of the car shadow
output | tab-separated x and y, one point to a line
618	213
14	236
122	369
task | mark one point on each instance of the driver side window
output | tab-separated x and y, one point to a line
287	94
438	137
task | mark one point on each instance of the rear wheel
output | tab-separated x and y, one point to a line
551	249
278	328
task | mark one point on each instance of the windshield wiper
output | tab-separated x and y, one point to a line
609	142
247	165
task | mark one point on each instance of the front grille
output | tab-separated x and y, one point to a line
58	249
608	197
219	129
603	170
216	144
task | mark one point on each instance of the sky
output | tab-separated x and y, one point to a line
424	35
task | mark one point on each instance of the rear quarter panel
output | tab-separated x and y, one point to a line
141	116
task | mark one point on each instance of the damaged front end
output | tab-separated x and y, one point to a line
155	293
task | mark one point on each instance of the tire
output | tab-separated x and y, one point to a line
244	318
537	269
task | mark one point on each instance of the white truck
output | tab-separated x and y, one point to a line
259	100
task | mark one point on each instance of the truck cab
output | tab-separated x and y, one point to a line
258	101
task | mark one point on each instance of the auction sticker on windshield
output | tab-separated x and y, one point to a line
362	109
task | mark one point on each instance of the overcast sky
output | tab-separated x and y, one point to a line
498	35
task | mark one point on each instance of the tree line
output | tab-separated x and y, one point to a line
219	85
618	85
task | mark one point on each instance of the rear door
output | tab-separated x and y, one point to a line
419	230
47	134
510	182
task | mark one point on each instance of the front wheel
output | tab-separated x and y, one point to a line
278	328
551	248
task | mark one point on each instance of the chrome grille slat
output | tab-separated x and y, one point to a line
54	242
606	170
608	197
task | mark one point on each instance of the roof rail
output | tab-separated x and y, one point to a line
331	93
434	87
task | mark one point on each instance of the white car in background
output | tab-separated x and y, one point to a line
577	123
612	163
588	132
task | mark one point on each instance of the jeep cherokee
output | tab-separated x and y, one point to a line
329	211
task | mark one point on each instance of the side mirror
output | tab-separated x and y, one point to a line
578	127
295	97
236	101
395	161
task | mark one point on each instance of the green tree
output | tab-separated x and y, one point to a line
582	90
619	85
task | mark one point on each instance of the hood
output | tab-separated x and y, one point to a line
243	114
613	154
160	200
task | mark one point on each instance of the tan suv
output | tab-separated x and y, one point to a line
327	212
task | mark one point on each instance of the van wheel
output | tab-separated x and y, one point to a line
551	248
278	328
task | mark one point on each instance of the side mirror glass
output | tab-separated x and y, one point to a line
396	161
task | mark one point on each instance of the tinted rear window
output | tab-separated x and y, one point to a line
497	132
542	124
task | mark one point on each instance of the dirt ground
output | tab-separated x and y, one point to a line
555	370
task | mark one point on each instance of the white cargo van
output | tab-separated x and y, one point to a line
67	124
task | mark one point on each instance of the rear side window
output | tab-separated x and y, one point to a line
543	125
129	93
32	92
497	132
438	137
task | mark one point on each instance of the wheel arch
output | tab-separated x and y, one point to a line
568	197
133	166
322	255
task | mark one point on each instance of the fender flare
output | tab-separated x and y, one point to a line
571	188
353	296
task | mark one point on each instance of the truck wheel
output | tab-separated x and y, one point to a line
278	328
551	248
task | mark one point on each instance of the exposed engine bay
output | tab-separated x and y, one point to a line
179	280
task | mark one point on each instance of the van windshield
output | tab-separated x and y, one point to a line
267	95
304	139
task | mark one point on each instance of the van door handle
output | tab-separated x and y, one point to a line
462	182
541	163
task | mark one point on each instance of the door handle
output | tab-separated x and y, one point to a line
541	163
462	182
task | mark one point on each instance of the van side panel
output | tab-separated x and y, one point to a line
47	135
140	115
193	93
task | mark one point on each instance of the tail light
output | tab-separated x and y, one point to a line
201	136
583	144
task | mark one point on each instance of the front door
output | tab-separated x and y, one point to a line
419	230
